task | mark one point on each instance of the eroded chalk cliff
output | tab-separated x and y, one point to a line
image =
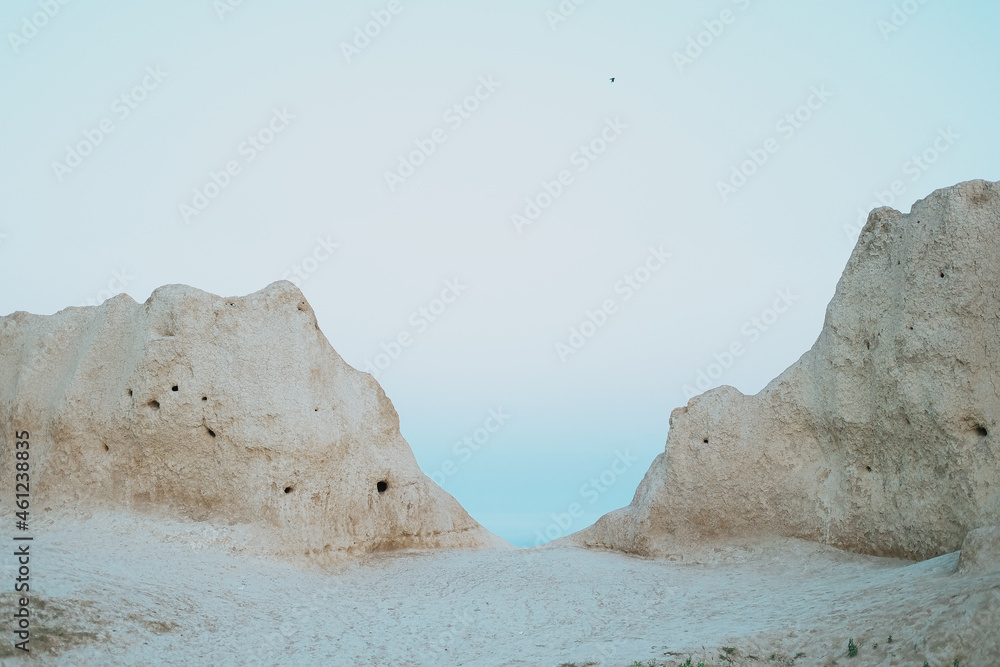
884	438
222	410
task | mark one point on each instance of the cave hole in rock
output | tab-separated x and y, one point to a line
106	448
868	468
382	486
288	489
129	391
942	274
174	388
981	430
154	404
204	398
705	441
210	431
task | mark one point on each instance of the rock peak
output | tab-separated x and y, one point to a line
220	409
882	438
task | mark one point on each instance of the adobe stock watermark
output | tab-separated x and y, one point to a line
786	127
420	320
591	491
122	107
627	287
249	149
900	16
119	281
562	12
751	332
298	615
301	270
454	116
465	448
916	166
381	18
31	25
714	28
223	7
445	638
581	158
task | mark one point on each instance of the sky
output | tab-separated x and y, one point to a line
569	258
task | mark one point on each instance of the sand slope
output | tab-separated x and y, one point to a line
167	593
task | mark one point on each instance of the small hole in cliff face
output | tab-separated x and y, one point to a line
174	388
154	404
210	431
288	489
868	468
705	441
106	448
942	274
382	486
981	430
204	398
129	391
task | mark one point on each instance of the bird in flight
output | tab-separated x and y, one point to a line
612	79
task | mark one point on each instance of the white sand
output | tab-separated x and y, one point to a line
167	593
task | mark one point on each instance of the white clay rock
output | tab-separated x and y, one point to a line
229	411
884	438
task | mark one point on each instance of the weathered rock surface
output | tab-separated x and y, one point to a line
223	410
881	439
980	551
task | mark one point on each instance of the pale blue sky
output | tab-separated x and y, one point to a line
886	96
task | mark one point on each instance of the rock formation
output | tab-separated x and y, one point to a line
980	551
884	438
229	411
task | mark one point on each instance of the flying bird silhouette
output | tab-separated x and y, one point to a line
612	79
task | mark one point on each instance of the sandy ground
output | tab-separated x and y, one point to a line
119	590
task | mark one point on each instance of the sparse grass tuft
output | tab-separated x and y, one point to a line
57	625
852	648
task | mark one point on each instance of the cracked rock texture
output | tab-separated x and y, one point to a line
884	438
232	411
